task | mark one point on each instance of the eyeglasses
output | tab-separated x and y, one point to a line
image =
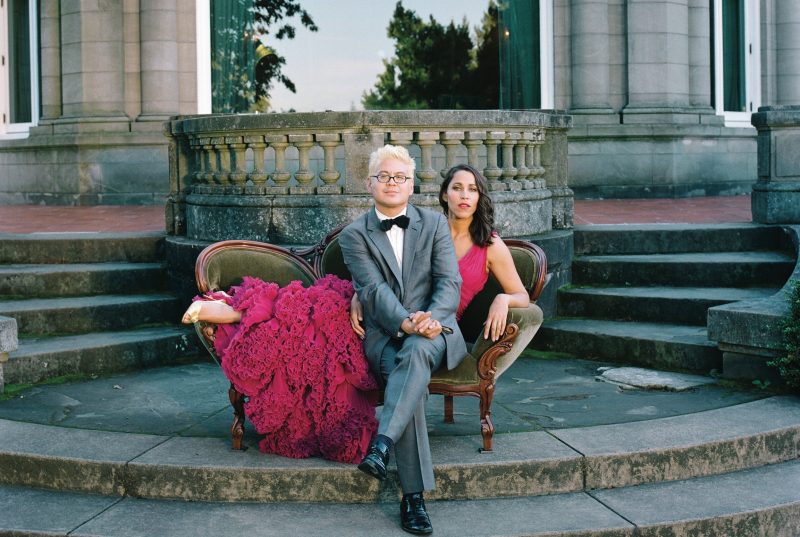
384	177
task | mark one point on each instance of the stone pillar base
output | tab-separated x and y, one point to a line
776	203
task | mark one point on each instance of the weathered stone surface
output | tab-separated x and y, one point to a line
8	334
81	247
706	443
68	459
648	379
95	353
718	506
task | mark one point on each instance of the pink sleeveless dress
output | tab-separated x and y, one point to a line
473	275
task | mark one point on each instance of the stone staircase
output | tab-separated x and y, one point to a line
640	294
730	471
725	472
88	303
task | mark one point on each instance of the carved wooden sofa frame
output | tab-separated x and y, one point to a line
223	264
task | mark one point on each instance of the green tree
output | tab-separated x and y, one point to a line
486	73
436	66
245	65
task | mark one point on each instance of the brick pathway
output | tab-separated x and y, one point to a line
117	218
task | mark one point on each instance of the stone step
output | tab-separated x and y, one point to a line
676	238
95	353
747	435
62	280
762	501
81	247
654	345
676	305
719	269
47	316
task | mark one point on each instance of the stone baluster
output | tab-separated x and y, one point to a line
258	176
303	175
329	176
473	140
492	172
425	173
523	172
509	171
223	158
236	147
535	158
450	140
199	161
209	160
280	177
403	138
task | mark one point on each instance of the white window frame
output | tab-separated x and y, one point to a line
752	64
547	55
8	129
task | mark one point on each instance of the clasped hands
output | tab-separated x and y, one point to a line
419	323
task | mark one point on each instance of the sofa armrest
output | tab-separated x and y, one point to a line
527	321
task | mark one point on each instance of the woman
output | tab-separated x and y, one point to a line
291	352
464	197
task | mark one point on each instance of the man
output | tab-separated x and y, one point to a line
406	275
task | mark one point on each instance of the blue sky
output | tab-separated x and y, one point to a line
334	66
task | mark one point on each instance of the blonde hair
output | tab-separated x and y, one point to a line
397	152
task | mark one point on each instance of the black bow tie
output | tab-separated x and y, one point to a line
401	222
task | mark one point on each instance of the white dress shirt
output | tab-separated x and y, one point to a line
395	236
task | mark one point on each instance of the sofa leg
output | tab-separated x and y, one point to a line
487	431
237	429
448	409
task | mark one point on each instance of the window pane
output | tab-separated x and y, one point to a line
19	61
520	54
235	50
733	56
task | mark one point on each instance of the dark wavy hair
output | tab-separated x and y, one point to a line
482	225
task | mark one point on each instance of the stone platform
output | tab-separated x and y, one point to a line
574	455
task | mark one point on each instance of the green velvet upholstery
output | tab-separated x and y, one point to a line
226	266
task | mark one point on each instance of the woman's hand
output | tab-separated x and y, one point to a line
356	316
192	314
212	311
495	324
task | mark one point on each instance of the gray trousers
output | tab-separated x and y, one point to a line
405	369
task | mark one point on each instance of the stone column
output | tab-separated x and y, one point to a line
92	64
658	61
159	59
700	54
776	195
787	37
590	57
50	56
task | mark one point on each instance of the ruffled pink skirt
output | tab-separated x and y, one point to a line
296	358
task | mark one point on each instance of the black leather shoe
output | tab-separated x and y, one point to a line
413	516
374	463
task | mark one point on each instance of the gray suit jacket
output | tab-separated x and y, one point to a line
430	279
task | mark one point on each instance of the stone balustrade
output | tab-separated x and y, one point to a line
289	178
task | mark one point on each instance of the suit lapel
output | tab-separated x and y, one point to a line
410	242
381	241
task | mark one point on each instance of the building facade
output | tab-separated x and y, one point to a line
661	91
